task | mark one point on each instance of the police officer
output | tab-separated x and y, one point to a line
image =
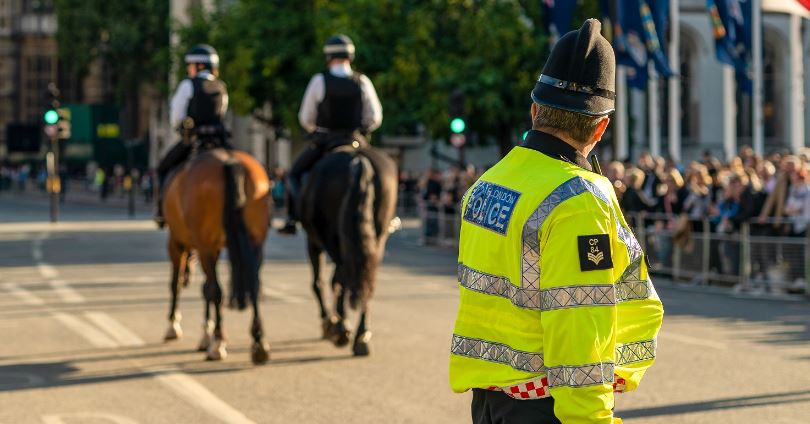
557	311
340	107
199	106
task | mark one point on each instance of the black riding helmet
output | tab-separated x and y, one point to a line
204	55
339	46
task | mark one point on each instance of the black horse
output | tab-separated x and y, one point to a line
347	206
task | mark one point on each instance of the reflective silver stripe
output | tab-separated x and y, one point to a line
497	285
497	352
582	375
530	258
631	286
545	299
635	352
573	296
533	361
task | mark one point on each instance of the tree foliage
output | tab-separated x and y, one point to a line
130	35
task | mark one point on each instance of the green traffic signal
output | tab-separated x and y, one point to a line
525	134
51	117
457	125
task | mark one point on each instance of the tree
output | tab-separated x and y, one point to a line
130	36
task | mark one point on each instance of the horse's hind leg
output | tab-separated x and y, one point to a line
213	297
261	349
316	258
339	334
363	338
179	256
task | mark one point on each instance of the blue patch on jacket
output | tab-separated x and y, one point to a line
490	206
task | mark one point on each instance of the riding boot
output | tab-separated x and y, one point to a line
158	217
289	227
302	165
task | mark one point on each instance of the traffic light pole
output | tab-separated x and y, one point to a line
54	184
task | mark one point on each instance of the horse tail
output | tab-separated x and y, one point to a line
241	252
358	233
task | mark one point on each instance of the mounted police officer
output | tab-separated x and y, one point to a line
340	107
197	110
557	311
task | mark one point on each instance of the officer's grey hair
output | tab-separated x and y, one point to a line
576	125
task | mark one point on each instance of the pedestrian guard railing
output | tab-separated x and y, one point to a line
753	256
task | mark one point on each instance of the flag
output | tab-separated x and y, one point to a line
559	14
731	27
655	14
629	42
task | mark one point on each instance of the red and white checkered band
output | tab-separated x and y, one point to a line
619	385
536	388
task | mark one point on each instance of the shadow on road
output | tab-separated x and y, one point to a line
720	404
68	373
793	316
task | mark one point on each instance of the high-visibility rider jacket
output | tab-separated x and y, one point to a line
555	299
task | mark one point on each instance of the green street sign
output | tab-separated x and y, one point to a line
51	117
457	125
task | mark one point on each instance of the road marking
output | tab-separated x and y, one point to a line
284	297
47	271
83	416
195	393
692	340
20	293
65	292
121	334
90	333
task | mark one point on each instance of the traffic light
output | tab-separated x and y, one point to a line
63	125
457	125
457	112
51	117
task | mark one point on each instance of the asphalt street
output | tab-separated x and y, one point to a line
83	310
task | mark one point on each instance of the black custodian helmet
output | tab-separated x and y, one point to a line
339	47
580	74
204	54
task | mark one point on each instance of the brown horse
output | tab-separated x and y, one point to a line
219	199
347	206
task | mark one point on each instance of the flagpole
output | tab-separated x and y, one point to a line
796	85
729	113
756	97
654	111
622	139
674	81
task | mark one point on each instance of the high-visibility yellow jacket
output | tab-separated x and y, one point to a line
554	291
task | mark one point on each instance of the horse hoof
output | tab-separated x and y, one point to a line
329	330
174	332
361	344
261	353
217	351
208	331
343	338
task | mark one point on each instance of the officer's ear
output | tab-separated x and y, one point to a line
601	127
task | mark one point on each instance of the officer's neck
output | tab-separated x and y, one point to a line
583	148
340	68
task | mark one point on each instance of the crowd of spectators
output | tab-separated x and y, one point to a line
673	202
771	195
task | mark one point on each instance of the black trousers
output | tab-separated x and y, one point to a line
491	407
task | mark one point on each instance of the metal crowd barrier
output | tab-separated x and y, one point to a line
752	257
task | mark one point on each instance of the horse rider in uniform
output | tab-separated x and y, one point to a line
340	107
198	109
557	311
